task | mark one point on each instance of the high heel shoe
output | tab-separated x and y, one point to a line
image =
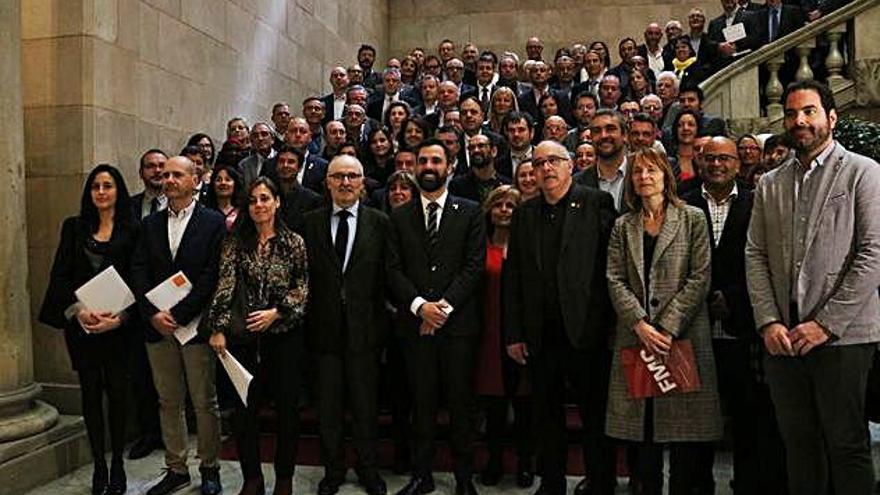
118	483
99	478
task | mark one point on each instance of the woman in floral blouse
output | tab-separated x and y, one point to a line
258	312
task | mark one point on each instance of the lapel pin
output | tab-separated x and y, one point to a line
455	206
575	205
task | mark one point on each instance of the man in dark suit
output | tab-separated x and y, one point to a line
334	101
314	168
298	200
391	91
757	446
455	73
366	58
186	237
558	315
280	119
346	244
731	14
486	82
435	265
528	100
691	98
143	204
769	23
481	177
472	124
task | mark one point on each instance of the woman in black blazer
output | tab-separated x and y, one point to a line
103	234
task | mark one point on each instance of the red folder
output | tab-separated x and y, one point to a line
648	375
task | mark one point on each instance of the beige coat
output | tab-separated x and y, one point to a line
679	284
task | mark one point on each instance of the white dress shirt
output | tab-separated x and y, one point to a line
352	229
177	222
441	202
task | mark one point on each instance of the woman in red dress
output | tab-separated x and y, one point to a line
500	381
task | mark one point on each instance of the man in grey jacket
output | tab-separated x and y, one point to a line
813	268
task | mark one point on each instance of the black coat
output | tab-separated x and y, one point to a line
583	290
296	203
346	311
791	18
452	270
70	270
313	177
198	256
728	260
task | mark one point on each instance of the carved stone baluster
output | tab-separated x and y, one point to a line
774	88
804	72
834	61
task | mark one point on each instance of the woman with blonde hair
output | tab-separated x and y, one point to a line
502	103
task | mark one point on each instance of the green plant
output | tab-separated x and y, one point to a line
860	136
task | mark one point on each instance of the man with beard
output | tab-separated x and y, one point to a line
472	124
366	58
481	177
336	137
519	130
584	108
609	133
429	87
813	268
435	267
557	313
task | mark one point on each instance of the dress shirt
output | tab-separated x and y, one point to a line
338	106
695	43
729	19
655	61
718	211
614	186
517	158
302	168
429	109
538	93
147	204
806	182
389	99
177	222
441	202
352	228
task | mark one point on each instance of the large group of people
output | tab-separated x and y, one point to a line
494	238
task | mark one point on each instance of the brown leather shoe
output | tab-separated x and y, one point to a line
283	486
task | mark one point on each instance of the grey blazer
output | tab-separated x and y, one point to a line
678	286
838	280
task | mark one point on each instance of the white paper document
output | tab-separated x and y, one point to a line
105	292
734	33
167	294
238	375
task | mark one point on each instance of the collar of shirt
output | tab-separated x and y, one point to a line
440	201
819	160
732	16
339	97
184	213
711	199
353	209
621	172
523	155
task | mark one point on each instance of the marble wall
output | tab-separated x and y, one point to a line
104	80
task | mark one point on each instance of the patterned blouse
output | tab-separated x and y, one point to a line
278	279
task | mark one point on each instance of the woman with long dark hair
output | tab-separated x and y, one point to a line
205	145
102	235
378	157
258	312
225	193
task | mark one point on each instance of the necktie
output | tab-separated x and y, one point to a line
433	225
341	241
154	205
484	99
774	23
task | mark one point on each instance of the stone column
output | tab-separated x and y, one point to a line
21	415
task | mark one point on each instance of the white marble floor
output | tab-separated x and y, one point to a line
144	473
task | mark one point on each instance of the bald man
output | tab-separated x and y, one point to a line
558	318
163	251
344	320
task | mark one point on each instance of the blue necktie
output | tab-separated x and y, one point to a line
774	23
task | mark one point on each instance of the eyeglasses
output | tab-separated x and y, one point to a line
551	160
341	176
723	158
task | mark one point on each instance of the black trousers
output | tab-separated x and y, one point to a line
351	378
276	376
820	405
146	400
104	372
496	426
588	373
442	363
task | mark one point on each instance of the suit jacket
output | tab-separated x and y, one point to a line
527	102
296	203
313	177
70	270
346	310
468	186
674	300
254	166
791	18
840	272
451	270
374	106
718	24
728	260
198	257
580	271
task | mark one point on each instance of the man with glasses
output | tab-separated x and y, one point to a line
435	269
262	141
558	315
344	320
455	73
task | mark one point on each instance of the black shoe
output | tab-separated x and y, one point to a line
118	484
545	489
373	484
211	481
465	486
525	476
170	483
330	483
144	447
492	474
583	487
99	478
418	485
